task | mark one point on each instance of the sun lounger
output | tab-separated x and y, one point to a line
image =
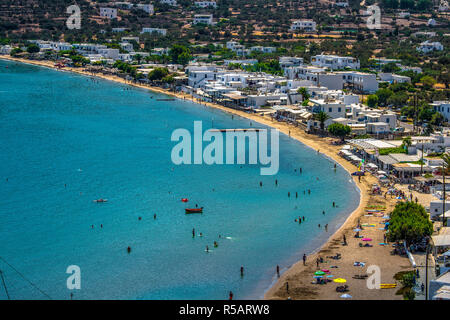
360	276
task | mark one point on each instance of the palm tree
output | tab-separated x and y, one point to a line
304	92
321	117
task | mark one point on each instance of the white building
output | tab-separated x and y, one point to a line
6	49
203	19
240	61
427	46
442	107
394	78
149	8
303	25
437	206
160	51
172	3
287	62
341	4
162	32
109	53
334	108
206	4
121	29
110	13
360	81
335	62
431	23
127	46
263	49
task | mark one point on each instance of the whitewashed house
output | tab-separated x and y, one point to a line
335	62
206	4
303	25
172	3
159	31
203	19
149	8
360	81
427	46
110	13
442	107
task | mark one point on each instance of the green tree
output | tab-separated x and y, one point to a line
158	74
33	48
409	221
372	100
339	130
437	119
322	117
180	54
383	96
304	93
428	82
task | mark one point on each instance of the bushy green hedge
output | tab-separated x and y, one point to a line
410	222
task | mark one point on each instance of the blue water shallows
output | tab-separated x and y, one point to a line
67	140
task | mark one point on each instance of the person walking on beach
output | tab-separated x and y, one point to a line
287	287
317	262
278	271
345	240
304	259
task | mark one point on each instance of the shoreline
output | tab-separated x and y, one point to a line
314	142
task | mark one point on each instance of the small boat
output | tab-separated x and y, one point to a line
101	200
169	99
194	210
184	200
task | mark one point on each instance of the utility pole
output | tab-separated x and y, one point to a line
415	113
443	201
426	271
421	161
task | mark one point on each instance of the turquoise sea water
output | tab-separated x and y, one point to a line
66	140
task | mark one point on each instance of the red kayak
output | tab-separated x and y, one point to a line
184	200
196	210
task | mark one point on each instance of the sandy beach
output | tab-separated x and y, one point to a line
299	277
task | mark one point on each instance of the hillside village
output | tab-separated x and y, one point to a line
383	93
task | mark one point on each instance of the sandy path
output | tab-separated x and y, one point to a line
298	276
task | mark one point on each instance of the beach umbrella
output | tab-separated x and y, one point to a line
325	270
319	273
357	230
366	239
346	296
340	280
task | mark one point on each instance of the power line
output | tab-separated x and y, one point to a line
20	274
4	284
